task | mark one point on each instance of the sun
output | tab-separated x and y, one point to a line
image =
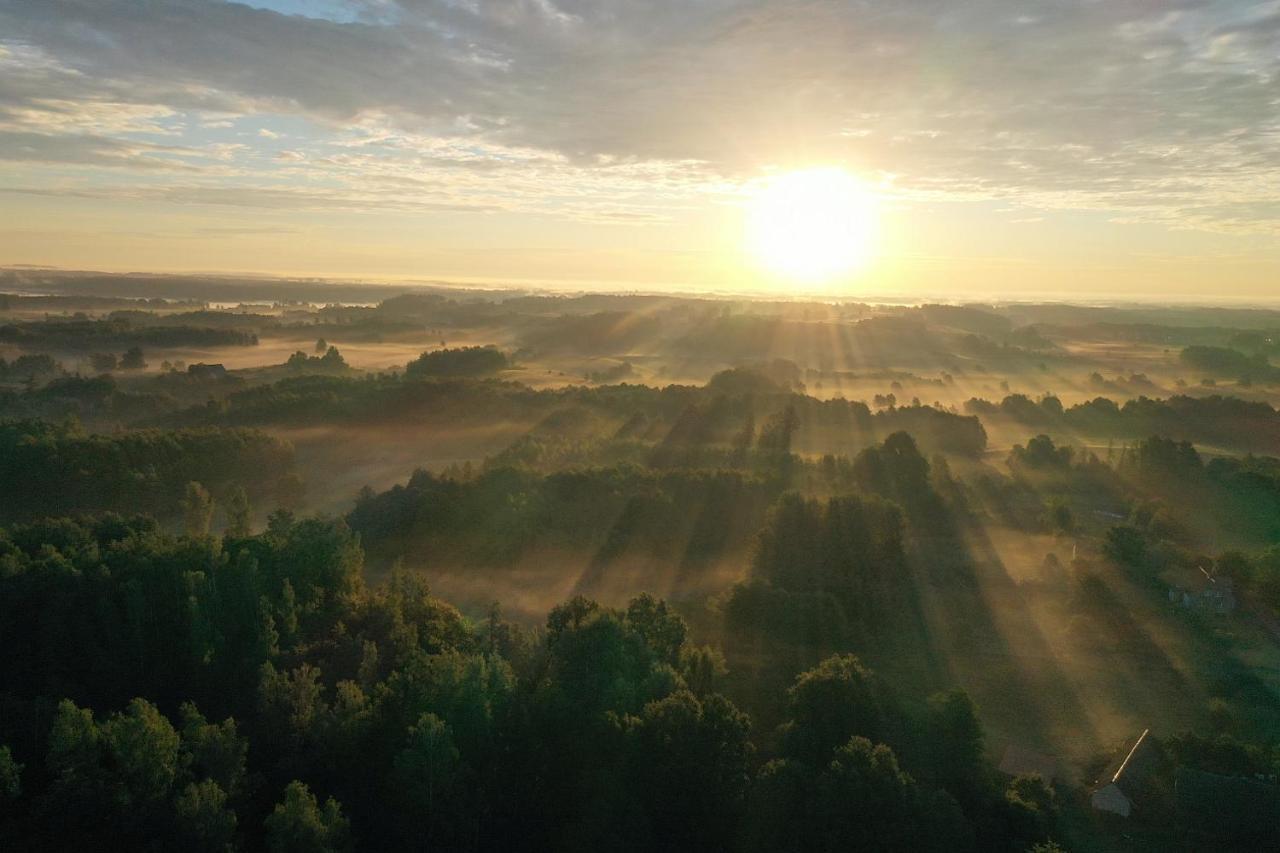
812	226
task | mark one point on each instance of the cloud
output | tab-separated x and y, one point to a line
1165	110
89	150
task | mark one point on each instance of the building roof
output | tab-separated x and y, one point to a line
1138	763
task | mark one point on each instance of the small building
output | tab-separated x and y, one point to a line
1218	595
1020	761
207	371
1206	591
1118	793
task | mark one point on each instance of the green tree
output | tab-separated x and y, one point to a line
955	734
214	750
197	509
865	799
202	820
10	775
779	430
662	629
291	702
73	744
702	668
690	770
299	825
1028	811
427	764
103	362
743	441
1061	518
1125	544
132	359
117	776
829	704
1041	452
239	513
142	747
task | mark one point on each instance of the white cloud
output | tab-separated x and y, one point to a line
1169	112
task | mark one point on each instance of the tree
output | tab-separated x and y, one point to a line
1125	544
779	430
10	776
119	773
858	800
73	744
203	822
702	668
197	509
143	751
864	798
1041	452
299	825
663	630
689	768
908	470
290	701
332	358
1061	518
239	513
321	346
955	733
427	763
829	704
464	361
743	440
214	750
280	523
132	359
103	362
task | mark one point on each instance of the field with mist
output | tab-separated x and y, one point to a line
399	534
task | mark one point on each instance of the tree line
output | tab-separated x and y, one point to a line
250	692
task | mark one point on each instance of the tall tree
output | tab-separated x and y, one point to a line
239	513
197	509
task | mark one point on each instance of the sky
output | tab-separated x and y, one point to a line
1100	148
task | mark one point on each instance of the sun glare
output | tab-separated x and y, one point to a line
813	225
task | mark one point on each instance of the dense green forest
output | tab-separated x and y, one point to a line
53	469
252	690
476	572
116	334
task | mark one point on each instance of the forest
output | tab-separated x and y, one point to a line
314	568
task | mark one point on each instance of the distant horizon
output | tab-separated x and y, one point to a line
573	288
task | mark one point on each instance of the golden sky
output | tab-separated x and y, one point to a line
1122	149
